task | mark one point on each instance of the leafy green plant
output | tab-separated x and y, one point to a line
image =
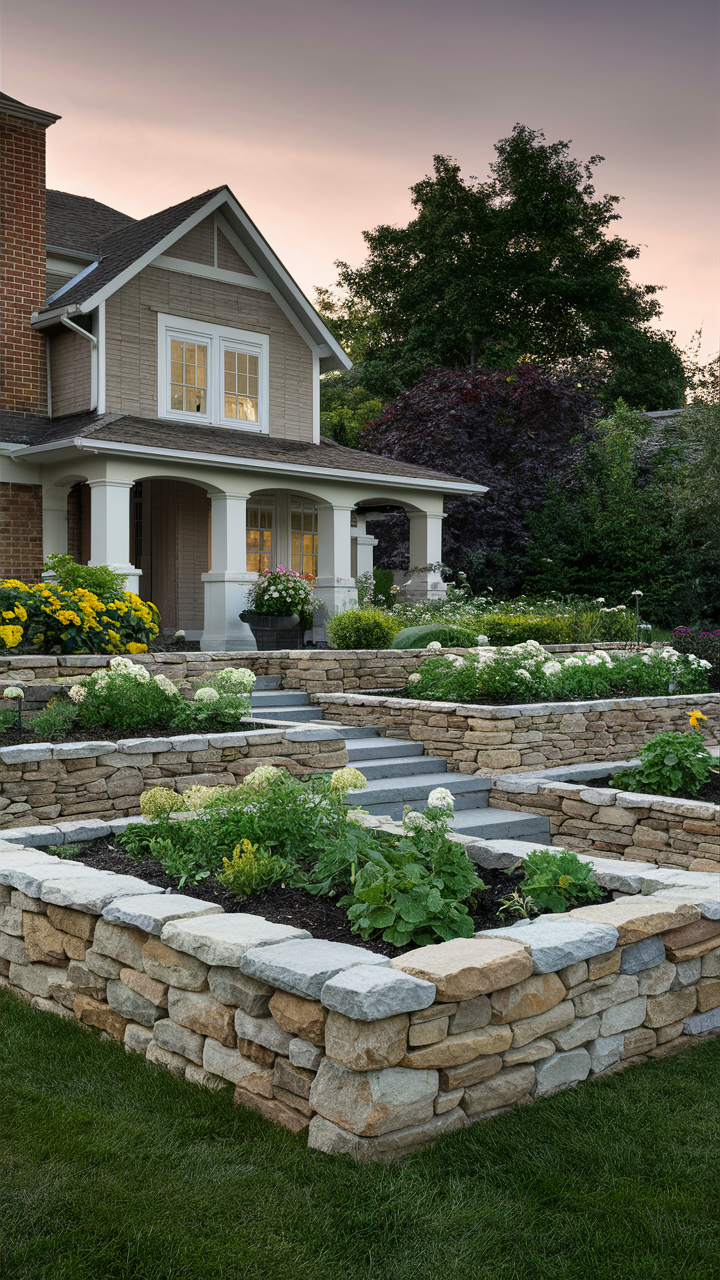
100	579
362	629
56	721
125	696
419	637
251	869
557	881
672	764
516	904
8	718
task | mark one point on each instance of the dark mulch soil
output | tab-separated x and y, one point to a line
711	791
25	737
283	905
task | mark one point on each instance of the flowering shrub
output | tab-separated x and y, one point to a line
525	673
706	644
251	869
158	802
283	592
48	617
345	780
557	881
672	764
549	621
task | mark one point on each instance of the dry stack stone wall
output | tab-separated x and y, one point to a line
42	783
373	1058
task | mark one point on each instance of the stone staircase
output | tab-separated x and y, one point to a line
399	773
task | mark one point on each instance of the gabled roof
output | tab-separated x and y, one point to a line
126	251
79	223
13	107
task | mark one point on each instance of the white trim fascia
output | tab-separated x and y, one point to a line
216	336
316	397
185	268
75	280
91	445
99	329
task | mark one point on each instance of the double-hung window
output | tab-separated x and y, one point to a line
212	374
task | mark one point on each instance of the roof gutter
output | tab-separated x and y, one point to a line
90	445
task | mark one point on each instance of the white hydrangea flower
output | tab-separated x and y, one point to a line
198	796
348	779
593	660
415	819
572	662
552	668
207	695
441	798
522	672
239	679
13	691
434	646
261	776
157	802
413	679
166	685
76	693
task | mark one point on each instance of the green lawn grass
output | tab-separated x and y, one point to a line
111	1170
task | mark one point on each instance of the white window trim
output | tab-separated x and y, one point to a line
216	337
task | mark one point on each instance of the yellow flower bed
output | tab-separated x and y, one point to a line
45	617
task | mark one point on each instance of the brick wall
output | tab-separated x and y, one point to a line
21	543
23	384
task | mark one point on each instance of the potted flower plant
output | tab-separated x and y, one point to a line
281	606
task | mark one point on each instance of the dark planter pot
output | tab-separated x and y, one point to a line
274	631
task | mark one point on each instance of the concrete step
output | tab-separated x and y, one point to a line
266	682
293	713
400	767
389	796
500	824
280	698
351	732
381	748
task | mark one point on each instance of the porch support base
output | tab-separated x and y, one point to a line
225	599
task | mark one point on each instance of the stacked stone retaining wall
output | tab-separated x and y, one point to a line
43	782
492	740
371	1058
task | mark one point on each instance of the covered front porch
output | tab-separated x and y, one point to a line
193	540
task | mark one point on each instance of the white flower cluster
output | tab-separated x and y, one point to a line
441	798
207	695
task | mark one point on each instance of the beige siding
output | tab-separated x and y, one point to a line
175	523
197	245
69	373
228	258
131	343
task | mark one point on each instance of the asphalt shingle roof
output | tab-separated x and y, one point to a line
77	222
181	437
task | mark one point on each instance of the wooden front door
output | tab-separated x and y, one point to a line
171	521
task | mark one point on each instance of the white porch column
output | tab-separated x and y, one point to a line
365	544
110	529
335	586
424	582
55	524
227	581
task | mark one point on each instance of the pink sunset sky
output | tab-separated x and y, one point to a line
320	115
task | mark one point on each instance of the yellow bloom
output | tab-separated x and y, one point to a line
694	718
133	647
11	636
564	881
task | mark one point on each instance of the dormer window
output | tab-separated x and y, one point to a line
213	374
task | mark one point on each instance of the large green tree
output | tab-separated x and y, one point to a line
520	266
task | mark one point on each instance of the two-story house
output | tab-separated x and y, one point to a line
160	406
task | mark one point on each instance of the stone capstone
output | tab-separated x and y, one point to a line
366	1046
532	996
638	917
201	1012
230	986
91	891
370	1103
369	992
224	939
467	967
302	1018
642	955
303	967
555	942
561	1069
165	964
151	911
508	1087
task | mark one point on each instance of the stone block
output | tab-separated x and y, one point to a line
461	1048
623	1017
294	1080
533	1052
22	903
561	1070
304	1054
172	1062
201	1012
12	949
467	967
83	980
708	994
165	964
303	967
642	955
447	1101
79	924
424	1033
557	941
687	973
525	999
138	1038
101	965
710	964
11	918
653	982
640	1040
172	1036
673	1006
36	979
370	1103
224	939
231	1065
366	1046
578	1032
469	1015
272	1109
302	1018
369	992
505	1089
601	966
329	1138
255	1052
623	987
131	1005
441	1011
205	1079
605	1052
700	1024
43	942
150	912
670	1032
542	1024
121	943
230	986
145	986
638	917
678	941
50	1006
94	1013
573	974
470	1073
263	1031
